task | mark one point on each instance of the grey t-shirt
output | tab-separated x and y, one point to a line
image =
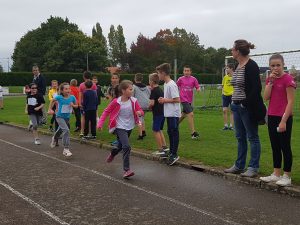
171	91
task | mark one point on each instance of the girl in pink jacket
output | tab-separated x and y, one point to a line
124	113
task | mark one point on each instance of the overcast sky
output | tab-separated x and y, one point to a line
272	25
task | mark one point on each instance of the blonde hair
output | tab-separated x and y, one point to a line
73	82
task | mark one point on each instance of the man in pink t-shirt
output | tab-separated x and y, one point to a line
86	76
186	85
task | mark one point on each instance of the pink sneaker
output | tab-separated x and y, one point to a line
128	173
110	158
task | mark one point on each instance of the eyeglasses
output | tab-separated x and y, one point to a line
275	65
33	88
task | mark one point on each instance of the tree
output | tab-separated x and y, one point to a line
34	45
144	54
70	52
1	69
117	46
97	33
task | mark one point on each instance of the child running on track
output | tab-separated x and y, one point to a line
280	91
123	113
34	105
65	103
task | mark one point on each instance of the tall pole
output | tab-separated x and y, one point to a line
7	64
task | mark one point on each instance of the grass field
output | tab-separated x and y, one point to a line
214	148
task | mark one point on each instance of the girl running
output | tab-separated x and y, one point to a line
280	92
34	105
65	104
124	113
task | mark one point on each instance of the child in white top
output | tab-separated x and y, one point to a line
124	113
172	110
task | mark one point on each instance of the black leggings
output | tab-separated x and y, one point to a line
281	143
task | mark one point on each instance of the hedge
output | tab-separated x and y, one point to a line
24	78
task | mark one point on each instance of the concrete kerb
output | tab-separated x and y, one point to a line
293	191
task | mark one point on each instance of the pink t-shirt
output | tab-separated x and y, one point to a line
186	85
82	89
278	99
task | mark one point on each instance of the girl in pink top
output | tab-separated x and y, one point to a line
280	92
124	113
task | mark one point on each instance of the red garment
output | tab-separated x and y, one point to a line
75	92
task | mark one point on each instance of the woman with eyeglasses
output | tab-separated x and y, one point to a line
34	108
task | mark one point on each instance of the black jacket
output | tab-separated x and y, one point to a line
41	84
254	102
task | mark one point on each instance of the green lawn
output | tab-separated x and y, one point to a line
215	148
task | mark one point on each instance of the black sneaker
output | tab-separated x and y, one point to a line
173	160
195	135
225	128
144	133
230	128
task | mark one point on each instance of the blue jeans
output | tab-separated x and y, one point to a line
173	133
245	128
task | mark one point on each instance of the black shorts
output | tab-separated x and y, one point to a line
226	101
187	107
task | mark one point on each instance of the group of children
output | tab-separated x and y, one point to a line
128	103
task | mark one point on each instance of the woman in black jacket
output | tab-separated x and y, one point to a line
248	109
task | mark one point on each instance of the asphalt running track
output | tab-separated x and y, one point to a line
40	186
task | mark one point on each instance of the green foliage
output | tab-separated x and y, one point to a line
117	46
1	68
59	45
24	78
178	44
33	46
70	52
97	33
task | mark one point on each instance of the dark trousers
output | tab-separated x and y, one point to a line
90	117
281	143
77	117
173	133
123	145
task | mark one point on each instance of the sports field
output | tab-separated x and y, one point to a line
214	148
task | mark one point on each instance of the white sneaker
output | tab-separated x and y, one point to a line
37	141
284	181
53	143
271	178
67	152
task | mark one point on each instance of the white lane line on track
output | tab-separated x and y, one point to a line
33	203
174	201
